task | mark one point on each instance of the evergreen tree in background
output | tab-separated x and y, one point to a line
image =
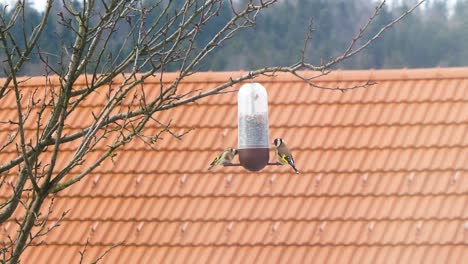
432	36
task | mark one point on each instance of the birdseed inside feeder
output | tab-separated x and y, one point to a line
253	134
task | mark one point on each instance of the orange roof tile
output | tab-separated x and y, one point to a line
384	178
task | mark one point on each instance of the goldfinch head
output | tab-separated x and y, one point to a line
277	142
233	151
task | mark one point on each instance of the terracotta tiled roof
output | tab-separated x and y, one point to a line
384	179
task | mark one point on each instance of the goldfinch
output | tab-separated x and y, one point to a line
282	153
224	158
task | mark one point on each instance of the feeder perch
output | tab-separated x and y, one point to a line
253	134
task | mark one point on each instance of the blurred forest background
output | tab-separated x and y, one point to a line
434	35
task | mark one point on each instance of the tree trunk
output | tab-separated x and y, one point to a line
27	225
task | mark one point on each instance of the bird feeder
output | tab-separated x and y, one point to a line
253	135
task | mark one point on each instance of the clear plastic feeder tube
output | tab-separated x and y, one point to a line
253	133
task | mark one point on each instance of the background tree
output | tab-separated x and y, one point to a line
110	48
438	25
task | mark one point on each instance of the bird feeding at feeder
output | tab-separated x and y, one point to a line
253	133
283	155
224	158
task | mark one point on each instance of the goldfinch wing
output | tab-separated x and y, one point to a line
215	161
288	159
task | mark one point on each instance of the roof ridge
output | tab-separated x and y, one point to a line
335	75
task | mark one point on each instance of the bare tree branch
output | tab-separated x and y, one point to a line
157	36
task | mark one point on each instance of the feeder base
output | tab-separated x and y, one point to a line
254	159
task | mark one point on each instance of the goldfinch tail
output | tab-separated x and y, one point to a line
290	161
295	170
214	163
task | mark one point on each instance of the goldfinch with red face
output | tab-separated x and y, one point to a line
283	155
224	158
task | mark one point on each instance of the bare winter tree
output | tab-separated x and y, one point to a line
166	40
